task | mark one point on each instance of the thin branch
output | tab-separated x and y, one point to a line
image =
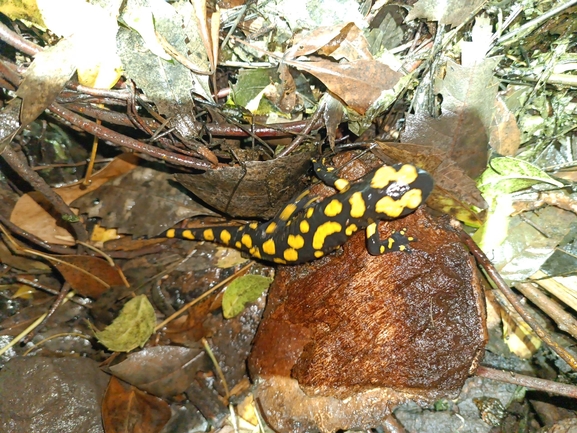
514	300
55	249
527	381
15	40
565	321
19	164
534	22
121	140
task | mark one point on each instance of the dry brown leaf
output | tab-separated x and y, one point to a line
30	212
344	41
20	262
459	136
504	135
89	276
131	410
358	83
350	45
164	371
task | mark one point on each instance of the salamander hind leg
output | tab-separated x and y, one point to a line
397	241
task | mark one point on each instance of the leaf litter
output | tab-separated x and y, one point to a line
451	78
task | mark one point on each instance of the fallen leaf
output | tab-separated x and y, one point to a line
131	410
342	41
30	212
26	264
519	337
242	291
453	12
505	135
119	203
164	371
83	267
132	328
506	175
45	78
358	83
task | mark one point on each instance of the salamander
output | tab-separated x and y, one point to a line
307	229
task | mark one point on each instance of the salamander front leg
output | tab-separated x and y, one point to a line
398	241
327	175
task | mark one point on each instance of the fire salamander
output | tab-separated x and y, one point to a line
307	229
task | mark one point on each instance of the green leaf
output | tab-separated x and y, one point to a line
507	175
132	328
242	291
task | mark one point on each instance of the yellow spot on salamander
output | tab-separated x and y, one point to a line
291	255
296	241
358	206
279	260
208	235
304	226
246	240
310	212
407	174
324	230
351	229
225	237
402	248
382	249
254	252
287	212
319	254
391	243
238	245
187	234
269	247
170	233
342	185
271	228
333	208
393	208
371	229
253	225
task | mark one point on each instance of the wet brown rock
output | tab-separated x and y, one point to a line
348	337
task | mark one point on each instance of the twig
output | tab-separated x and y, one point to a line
20	336
56	249
17	41
513	299
565	321
536	21
62	334
313	122
121	140
219	372
215	129
527	381
18	163
57	303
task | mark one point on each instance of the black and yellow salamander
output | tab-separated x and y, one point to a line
307	229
